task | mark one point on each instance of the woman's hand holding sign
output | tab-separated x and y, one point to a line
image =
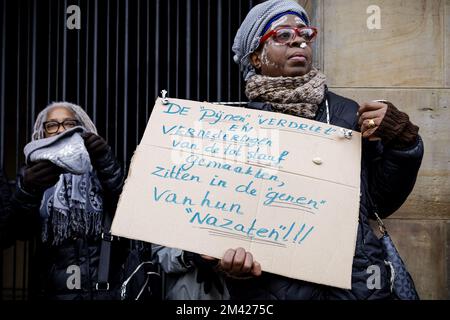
240	264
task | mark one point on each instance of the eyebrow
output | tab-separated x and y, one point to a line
62	120
301	25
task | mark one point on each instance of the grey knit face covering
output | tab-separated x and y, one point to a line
297	96
74	206
66	150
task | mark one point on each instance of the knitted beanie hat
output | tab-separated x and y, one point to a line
255	25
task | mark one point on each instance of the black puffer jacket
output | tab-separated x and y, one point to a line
387	178
55	266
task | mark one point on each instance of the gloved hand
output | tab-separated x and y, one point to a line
206	272
383	121
95	145
40	176
105	163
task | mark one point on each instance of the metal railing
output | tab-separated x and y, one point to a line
125	53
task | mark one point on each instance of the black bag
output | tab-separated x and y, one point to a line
140	279
402	284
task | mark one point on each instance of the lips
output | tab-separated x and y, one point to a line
298	56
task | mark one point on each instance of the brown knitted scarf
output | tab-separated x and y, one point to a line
298	96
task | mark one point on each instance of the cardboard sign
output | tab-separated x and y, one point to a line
206	178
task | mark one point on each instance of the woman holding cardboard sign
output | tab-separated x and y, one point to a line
273	49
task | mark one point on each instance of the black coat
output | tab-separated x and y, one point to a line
5	212
387	178
53	265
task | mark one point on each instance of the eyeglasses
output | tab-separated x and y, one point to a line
284	35
52	127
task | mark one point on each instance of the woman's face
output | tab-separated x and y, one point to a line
59	119
283	60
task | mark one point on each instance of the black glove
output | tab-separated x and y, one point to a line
40	176
206	272
96	146
105	163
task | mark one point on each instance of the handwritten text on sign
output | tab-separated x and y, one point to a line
207	178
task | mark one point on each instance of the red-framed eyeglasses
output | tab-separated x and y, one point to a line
284	35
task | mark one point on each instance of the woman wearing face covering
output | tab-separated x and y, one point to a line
273	49
71	181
